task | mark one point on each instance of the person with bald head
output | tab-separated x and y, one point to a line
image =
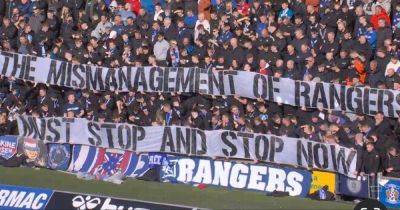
392	79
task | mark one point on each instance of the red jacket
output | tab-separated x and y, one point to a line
135	5
375	18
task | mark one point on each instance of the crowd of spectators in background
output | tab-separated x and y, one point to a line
351	42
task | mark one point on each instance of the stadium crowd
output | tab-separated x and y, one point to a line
352	42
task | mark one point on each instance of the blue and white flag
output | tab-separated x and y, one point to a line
138	166
8	146
85	159
59	156
102	162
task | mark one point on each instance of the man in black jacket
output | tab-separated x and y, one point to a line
392	163
370	161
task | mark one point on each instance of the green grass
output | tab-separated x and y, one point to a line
211	197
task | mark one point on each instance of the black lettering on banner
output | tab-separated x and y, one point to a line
165	80
156	80
357	99
245	141
340	159
305	93
193	141
264	86
94	128
171	80
380	101
125	80
371	100
227	142
335	97
195	133
38	132
231	74
93	80
17	66
124	132
307	153
167	140
111	80
138	134
217	81
77	74
68	74
29	68
319	96
140	80
68	122
277	145
183	139
350	157
389	102
168	79
366	98
199	81
265	147
52	129
109	128
325	163
56	76
27	129
6	62
271	87
182	82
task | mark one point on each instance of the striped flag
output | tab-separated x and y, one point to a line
106	162
138	166
86	158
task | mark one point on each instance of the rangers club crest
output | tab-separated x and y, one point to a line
392	194
59	156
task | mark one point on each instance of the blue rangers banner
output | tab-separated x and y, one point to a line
260	177
207	81
191	141
8	146
107	162
389	192
17	197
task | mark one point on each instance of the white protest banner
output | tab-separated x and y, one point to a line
206	81
191	141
